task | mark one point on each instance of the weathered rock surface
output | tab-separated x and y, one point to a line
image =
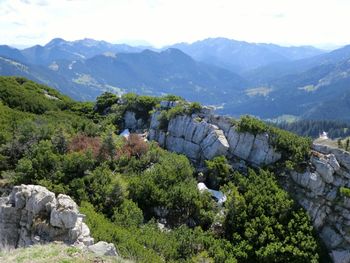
341	256
130	120
342	157
33	215
204	136
318	191
132	123
103	249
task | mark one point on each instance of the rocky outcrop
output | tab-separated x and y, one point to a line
133	123
203	136
318	191
103	249
33	215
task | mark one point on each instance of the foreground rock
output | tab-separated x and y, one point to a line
33	215
103	249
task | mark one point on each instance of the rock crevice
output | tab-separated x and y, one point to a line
31	215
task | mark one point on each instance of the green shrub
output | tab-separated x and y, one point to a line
141	105
125	240
25	95
170	184
264	225
345	191
128	214
105	101
219	172
171	97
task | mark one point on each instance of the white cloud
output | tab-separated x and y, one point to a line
164	22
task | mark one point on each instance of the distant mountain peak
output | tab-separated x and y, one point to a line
173	51
55	42
90	42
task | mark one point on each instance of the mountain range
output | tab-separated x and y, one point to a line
240	56
264	80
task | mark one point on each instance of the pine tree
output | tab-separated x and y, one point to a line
340	144
60	142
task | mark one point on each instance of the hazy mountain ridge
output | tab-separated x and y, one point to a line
240	56
274	80
309	90
149	72
146	72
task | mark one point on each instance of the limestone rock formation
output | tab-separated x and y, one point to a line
33	215
318	191
204	136
131	122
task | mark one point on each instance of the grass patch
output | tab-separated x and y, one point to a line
53	253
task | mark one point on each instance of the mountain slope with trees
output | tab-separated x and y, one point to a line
148	72
73	148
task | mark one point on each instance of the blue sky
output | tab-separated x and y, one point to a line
162	22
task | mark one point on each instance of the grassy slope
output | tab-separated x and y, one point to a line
58	253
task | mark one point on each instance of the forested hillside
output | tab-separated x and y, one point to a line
313	128
143	198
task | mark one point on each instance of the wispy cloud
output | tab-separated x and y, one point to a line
30	37
279	15
35	2
15	23
166	21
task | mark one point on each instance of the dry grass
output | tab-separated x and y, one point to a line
327	142
57	253
261	91
3	182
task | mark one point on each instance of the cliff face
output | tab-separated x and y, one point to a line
318	191
203	136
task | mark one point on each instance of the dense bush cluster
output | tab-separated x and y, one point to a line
144	199
263	222
24	95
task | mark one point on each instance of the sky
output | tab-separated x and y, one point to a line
322	23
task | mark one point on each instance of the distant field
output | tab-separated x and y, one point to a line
333	143
261	91
328	142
